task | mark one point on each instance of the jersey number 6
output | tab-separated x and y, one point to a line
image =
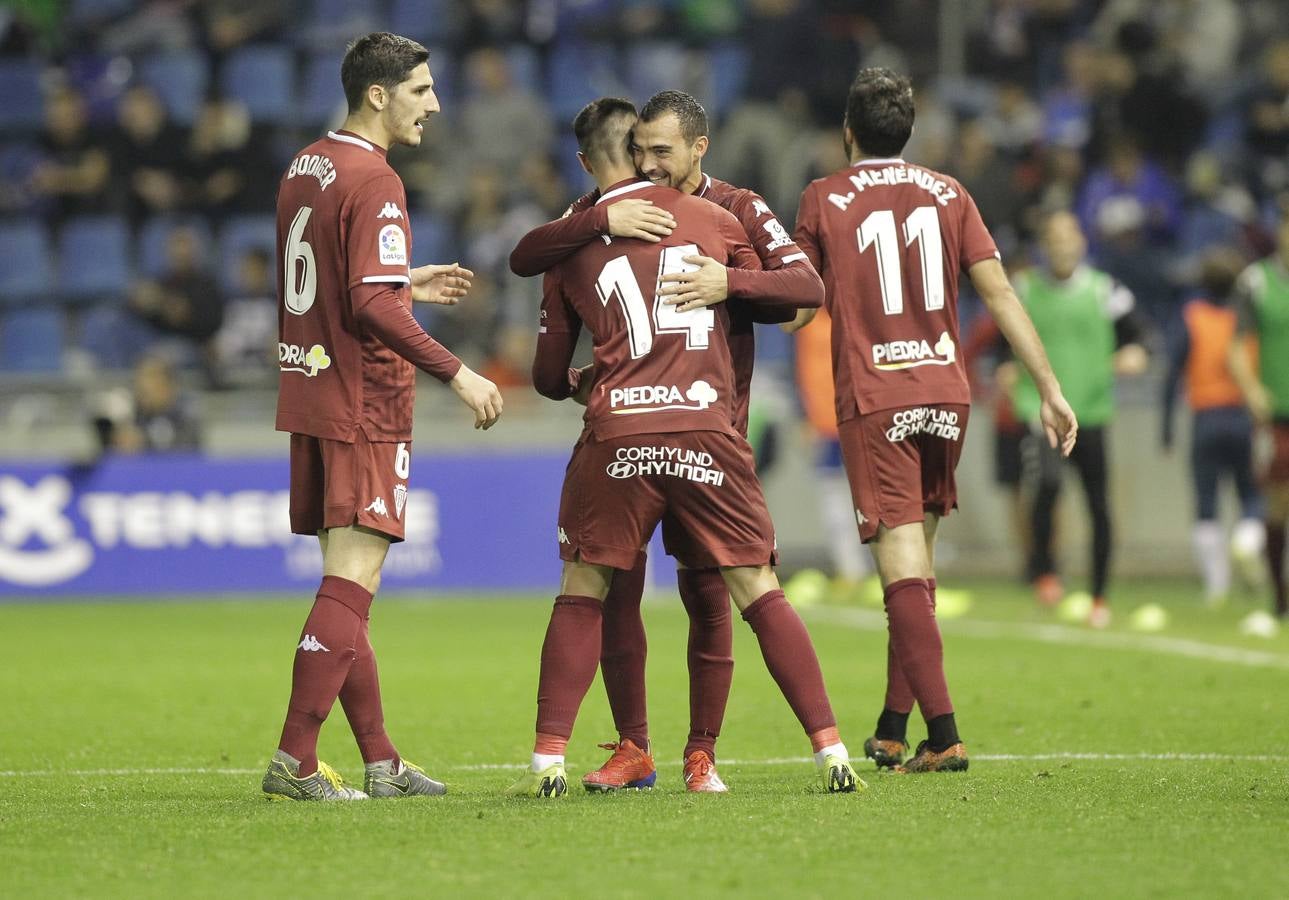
618	280
301	270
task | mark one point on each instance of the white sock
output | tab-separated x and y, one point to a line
1210	552
543	761
831	750
1248	538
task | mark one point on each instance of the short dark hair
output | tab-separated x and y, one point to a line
879	111
689	112
378	58
603	128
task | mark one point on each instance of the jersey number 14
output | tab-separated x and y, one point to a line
618	280
923	226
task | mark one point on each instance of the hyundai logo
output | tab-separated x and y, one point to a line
621	469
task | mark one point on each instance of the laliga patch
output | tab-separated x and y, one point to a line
393	246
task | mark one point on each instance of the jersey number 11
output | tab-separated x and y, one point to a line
923	226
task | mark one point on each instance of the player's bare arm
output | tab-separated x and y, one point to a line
990	281
1244	372
442	284
803	318
480	394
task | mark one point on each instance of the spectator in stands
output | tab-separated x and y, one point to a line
245	344
228	24
991	179
147	155
228	168
155	416
1218	213
72	176
503	123
1128	173
1127	254
185	302
1267	114
1015	123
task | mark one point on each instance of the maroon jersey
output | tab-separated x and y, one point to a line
341	223
753	298
656	370
889	239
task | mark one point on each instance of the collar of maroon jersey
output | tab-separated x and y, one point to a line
623	187
348	137
892	161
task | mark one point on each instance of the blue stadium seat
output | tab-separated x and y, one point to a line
579	73
180	79
428	21
94	259
155	235
334	23
525	68
321	96
91	12
654	67
26	262
24	104
263	78
433	240
727	67
31	340
566	159
240	234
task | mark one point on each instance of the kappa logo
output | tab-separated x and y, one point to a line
38	512
390	211
563	537
310	644
378	507
859	519
400	499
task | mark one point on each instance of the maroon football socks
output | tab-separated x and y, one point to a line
622	656
323	658
916	640
360	699
570	657
892	724
790	657
711	655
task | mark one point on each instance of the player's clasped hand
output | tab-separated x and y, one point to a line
640	219
480	394
707	285
445	284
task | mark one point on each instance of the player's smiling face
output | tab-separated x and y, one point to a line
662	154
410	104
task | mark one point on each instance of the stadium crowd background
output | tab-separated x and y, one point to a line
141	142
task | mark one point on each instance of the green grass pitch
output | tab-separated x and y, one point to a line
1116	765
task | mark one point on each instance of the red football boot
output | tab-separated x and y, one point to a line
628	767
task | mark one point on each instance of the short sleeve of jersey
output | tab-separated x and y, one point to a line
557	315
769	238
379	241
977	242
806	234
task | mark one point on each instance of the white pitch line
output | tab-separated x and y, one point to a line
775	761
866	620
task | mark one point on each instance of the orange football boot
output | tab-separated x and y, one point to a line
700	774
951	759
1048	589
628	767
886	753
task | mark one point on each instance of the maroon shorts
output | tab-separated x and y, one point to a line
334	484
900	463
1277	471
617	490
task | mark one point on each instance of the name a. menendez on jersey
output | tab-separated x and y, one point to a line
889	176
317	165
